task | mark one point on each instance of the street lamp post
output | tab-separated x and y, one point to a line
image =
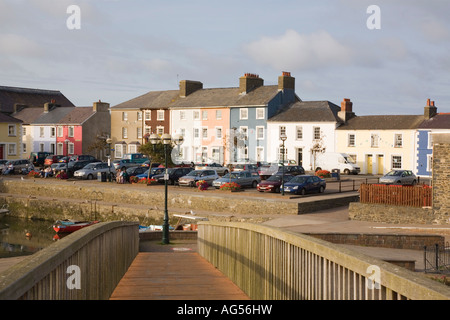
283	138
166	140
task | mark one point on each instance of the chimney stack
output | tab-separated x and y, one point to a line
285	81
346	110
249	82
188	86
100	106
430	110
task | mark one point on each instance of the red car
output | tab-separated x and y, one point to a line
273	183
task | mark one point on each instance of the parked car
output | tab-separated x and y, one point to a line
221	170
125	164
58	166
38	158
80	157
76	159
304	184
135	171
242	178
293	170
174	175
146	163
399	177
17	166
64	159
155	171
136	157
273	183
192	177
52	159
266	170
2	164
91	170
245	167
77	165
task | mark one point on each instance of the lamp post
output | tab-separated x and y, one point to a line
166	140
283	138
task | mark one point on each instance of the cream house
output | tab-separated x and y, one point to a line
379	144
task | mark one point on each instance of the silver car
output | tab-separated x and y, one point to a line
196	175
399	177
91	170
242	178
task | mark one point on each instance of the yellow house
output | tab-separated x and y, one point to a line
10	137
379	144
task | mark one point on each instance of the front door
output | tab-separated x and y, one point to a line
369	164
300	157
380	163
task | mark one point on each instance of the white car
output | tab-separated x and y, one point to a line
91	170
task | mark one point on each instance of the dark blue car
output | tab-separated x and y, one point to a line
154	172
305	184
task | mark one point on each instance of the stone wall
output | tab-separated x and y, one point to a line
395	241
441	174
57	199
395	214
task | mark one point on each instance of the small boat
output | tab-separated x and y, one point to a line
4	210
68	226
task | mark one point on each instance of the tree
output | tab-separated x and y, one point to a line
156	153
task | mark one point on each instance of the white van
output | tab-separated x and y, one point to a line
335	160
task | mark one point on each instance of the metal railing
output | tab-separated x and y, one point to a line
268	263
437	259
86	265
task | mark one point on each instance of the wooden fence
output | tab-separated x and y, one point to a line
410	196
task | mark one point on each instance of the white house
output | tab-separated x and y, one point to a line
308	125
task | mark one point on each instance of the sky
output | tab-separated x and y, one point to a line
387	61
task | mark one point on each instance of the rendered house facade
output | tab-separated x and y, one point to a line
434	123
307	125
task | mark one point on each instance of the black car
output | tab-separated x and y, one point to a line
174	175
77	165
134	171
292	170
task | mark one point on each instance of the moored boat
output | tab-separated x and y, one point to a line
68	226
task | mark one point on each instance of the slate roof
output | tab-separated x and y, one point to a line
53	116
4	118
28	115
384	122
226	97
215	97
77	116
439	121
308	111
9	96
150	100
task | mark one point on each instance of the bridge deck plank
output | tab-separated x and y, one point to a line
175	276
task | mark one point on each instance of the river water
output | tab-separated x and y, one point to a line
20	237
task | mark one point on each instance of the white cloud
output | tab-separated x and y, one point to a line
17	45
299	51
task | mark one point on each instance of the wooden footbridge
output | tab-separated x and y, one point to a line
230	261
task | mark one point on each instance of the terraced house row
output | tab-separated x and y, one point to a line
233	124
